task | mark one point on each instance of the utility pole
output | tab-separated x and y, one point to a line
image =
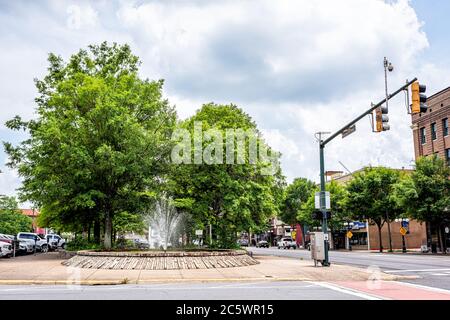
323	143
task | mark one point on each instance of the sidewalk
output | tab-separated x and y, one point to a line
47	269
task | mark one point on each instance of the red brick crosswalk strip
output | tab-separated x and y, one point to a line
395	290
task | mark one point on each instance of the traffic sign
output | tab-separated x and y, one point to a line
349	234
403	231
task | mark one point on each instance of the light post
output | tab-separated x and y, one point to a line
403	220
387	67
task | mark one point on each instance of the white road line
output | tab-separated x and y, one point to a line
347	291
439	274
415	270
424	287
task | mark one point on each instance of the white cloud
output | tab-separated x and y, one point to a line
296	66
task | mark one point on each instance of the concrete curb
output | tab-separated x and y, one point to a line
172	280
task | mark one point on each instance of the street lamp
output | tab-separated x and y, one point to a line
403	220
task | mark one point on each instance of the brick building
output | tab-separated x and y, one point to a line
365	234
431	135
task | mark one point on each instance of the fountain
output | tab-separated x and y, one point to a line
165	223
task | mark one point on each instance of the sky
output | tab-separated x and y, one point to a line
295	66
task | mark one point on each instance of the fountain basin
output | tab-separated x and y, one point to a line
160	260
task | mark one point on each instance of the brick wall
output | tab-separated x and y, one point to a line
417	236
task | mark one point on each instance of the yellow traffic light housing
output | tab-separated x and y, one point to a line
418	98
382	119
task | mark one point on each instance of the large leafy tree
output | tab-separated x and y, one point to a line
370	196
100	142
295	196
338	211
425	194
231	197
12	221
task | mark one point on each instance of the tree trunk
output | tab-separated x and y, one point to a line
379	238
89	232
108	231
97	231
440	236
389	231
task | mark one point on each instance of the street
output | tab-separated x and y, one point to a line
188	291
434	271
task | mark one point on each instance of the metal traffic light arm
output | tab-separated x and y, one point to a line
323	143
369	111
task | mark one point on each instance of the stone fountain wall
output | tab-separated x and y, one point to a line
160	260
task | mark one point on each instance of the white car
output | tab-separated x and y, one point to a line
33	238
287	243
55	241
5	249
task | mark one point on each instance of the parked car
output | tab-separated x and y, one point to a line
243	242
142	243
6	249
287	243
262	244
34	239
55	241
25	247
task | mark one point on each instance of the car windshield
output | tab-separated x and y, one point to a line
27	236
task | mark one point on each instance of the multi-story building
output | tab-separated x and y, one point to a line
431	131
431	135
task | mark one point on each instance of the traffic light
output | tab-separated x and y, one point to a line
418	98
382	119
317	214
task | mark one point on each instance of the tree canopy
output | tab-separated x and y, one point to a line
100	143
12	221
232	197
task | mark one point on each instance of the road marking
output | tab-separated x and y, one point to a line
415	270
439	274
347	291
425	287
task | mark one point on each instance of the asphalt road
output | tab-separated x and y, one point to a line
293	290
434	271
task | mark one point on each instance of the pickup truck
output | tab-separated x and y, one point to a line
287	243
34	239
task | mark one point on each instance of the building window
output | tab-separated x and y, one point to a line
445	127
433	131
447	156
423	138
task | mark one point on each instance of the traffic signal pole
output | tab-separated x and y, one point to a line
323	143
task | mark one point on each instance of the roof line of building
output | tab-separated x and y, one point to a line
438	93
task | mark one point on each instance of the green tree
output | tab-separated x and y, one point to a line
295	195
370	196
230	197
425	194
12	221
100	143
338	211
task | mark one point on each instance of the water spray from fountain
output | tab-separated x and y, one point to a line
164	223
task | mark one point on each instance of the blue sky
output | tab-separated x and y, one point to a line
296	66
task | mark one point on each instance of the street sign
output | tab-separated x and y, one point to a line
198	232
403	231
348	131
294	234
349	234
327	200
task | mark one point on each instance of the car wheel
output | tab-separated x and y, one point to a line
44	249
